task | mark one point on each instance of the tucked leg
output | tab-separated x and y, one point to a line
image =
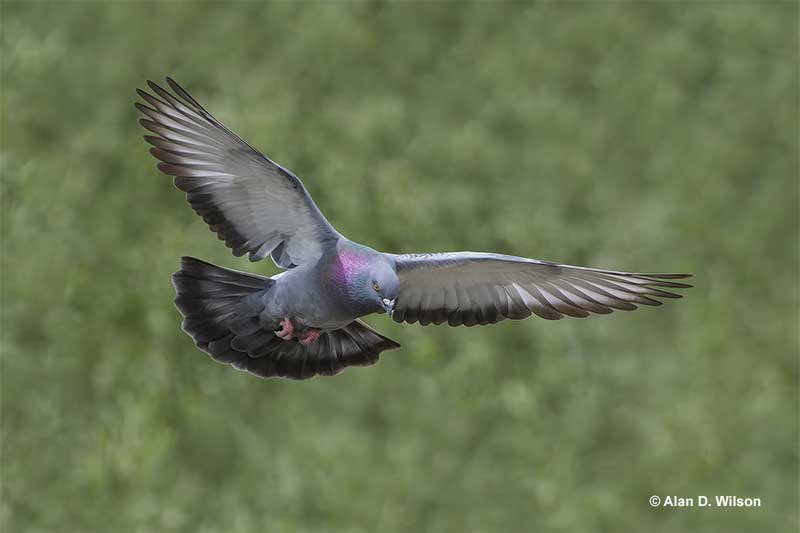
310	335
287	330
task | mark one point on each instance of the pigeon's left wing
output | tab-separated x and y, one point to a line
472	288
255	205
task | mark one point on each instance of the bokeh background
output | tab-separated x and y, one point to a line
657	136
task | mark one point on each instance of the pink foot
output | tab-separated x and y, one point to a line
310	336
287	330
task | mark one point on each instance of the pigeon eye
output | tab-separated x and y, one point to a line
376	286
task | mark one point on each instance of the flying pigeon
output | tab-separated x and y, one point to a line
305	321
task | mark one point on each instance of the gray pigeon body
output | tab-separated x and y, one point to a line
305	321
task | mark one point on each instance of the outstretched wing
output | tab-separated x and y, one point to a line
472	288
255	205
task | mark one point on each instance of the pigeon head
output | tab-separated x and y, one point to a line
385	283
366	280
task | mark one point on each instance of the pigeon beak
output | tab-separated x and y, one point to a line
388	305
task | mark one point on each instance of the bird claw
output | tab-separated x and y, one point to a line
287	330
310	336
287	333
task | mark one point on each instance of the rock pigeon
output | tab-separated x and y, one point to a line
305	321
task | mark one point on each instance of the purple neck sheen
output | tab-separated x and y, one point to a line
348	265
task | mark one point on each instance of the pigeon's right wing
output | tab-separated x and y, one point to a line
472	288
255	205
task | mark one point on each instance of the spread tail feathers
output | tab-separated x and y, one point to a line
222	313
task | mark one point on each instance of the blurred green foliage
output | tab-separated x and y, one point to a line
621	135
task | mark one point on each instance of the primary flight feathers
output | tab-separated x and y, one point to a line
252	203
304	321
477	288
